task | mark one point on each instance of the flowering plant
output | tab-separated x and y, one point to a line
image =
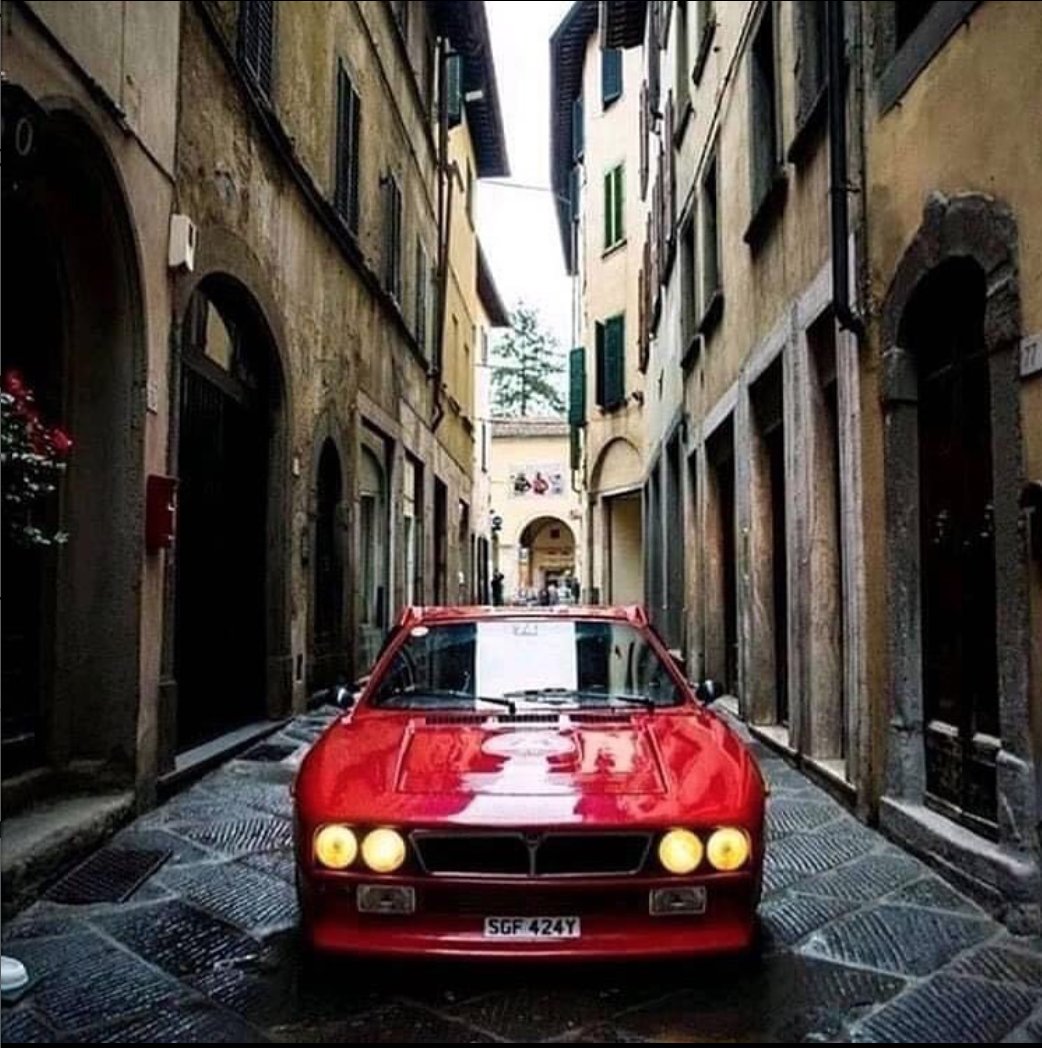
33	455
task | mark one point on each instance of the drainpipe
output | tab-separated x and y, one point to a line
839	186
443	232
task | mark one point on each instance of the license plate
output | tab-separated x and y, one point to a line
531	927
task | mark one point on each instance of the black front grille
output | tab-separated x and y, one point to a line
486	853
561	853
532	855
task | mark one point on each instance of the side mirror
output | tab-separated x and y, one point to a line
708	691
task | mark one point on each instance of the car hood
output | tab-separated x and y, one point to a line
648	768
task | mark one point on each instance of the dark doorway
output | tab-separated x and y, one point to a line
441	541
720	456
943	327
220	649
329	568
768	411
33	336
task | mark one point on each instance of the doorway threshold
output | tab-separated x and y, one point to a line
191	764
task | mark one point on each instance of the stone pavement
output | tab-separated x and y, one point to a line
863	943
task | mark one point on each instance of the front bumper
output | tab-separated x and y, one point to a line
450	916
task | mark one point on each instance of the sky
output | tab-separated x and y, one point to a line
518	227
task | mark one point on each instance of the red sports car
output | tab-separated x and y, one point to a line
529	783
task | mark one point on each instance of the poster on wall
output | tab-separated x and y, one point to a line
540	479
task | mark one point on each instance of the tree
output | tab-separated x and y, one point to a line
525	363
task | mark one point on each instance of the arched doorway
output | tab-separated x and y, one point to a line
943	329
546	555
72	325
328	580
229	398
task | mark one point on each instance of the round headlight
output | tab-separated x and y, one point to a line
728	849
680	851
383	851
336	847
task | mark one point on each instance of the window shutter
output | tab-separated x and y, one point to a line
257	40
393	238
599	363
611	76
345	197
420	296
644	132
573	193
454	88
577	387
670	188
614	362
618	202
578	143
607	210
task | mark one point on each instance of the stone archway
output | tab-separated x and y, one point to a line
546	553
965	256
73	325
228	562
328	559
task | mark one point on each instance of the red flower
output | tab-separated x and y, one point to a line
60	441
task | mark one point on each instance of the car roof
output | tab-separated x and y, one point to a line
415	615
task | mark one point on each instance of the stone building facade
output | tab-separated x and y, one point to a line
842	400
256	312
594	109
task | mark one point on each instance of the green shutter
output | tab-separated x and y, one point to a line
577	386
619	202
454	88
609	211
614	362
577	128
611	76
599	363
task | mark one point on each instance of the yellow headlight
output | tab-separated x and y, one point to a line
336	847
680	851
383	851
728	849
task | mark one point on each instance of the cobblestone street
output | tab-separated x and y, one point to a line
863	943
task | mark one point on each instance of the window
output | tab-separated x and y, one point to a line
712	273
393	238
348	119
611	76
401	16
614	202
682	87
688	284
484	348
574	191
812	61
257	41
421	304
907	15
611	363
705	24
764	155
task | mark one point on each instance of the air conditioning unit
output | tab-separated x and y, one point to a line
183	238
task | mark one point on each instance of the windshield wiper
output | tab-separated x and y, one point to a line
420	694
579	693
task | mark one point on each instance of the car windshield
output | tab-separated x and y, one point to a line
520	664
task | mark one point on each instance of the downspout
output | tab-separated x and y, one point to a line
839	186
443	234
